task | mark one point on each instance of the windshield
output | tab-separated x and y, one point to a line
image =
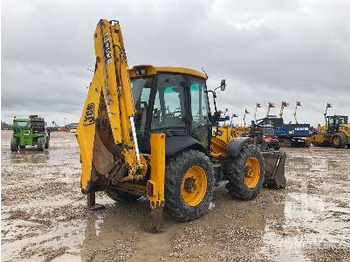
170	102
37	123
343	120
21	123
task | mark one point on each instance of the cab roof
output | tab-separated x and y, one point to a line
337	116
21	119
140	70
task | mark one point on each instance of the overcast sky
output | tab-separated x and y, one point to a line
268	50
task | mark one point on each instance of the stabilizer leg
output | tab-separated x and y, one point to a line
91	202
155	186
158	219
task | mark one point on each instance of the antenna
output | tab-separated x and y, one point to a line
204	72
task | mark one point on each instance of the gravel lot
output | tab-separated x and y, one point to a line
44	216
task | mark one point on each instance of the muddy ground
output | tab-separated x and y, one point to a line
44	216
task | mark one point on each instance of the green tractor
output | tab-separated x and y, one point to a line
29	132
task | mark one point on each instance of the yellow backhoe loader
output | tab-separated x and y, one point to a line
149	131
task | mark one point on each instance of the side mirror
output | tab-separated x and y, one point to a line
223	85
217	115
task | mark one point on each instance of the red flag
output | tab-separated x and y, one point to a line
298	103
246	111
284	104
271	105
258	105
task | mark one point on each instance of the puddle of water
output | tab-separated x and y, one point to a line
63	149
309	220
29	157
298	219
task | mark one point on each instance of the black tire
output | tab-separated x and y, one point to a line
262	144
235	170
294	144
277	146
176	168
40	143
14	144
120	196
47	143
339	140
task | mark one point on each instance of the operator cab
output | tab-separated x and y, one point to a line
22	123
37	124
270	121
333	123
172	100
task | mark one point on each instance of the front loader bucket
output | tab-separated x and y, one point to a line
274	169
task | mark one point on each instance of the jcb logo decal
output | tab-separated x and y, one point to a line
107	49
89	114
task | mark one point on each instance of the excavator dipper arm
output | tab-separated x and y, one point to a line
106	132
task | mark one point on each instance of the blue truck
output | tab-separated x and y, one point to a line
289	134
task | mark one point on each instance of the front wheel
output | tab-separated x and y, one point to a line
277	146
245	173
189	184
14	144
40	143
339	140
47	143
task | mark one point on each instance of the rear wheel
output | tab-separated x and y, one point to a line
339	140
189	184
245	173
262	144
47	143
14	144
277	146
120	196
40	143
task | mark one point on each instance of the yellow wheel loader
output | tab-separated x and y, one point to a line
149	131
335	133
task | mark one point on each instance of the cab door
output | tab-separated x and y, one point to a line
331	125
200	125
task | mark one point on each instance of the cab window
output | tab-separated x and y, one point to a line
200	127
169	104
141	91
21	123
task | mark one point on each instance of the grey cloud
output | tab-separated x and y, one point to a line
268	50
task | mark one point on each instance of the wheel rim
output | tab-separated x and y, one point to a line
336	140
252	172
194	185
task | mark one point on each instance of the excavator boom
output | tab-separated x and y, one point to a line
106	131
